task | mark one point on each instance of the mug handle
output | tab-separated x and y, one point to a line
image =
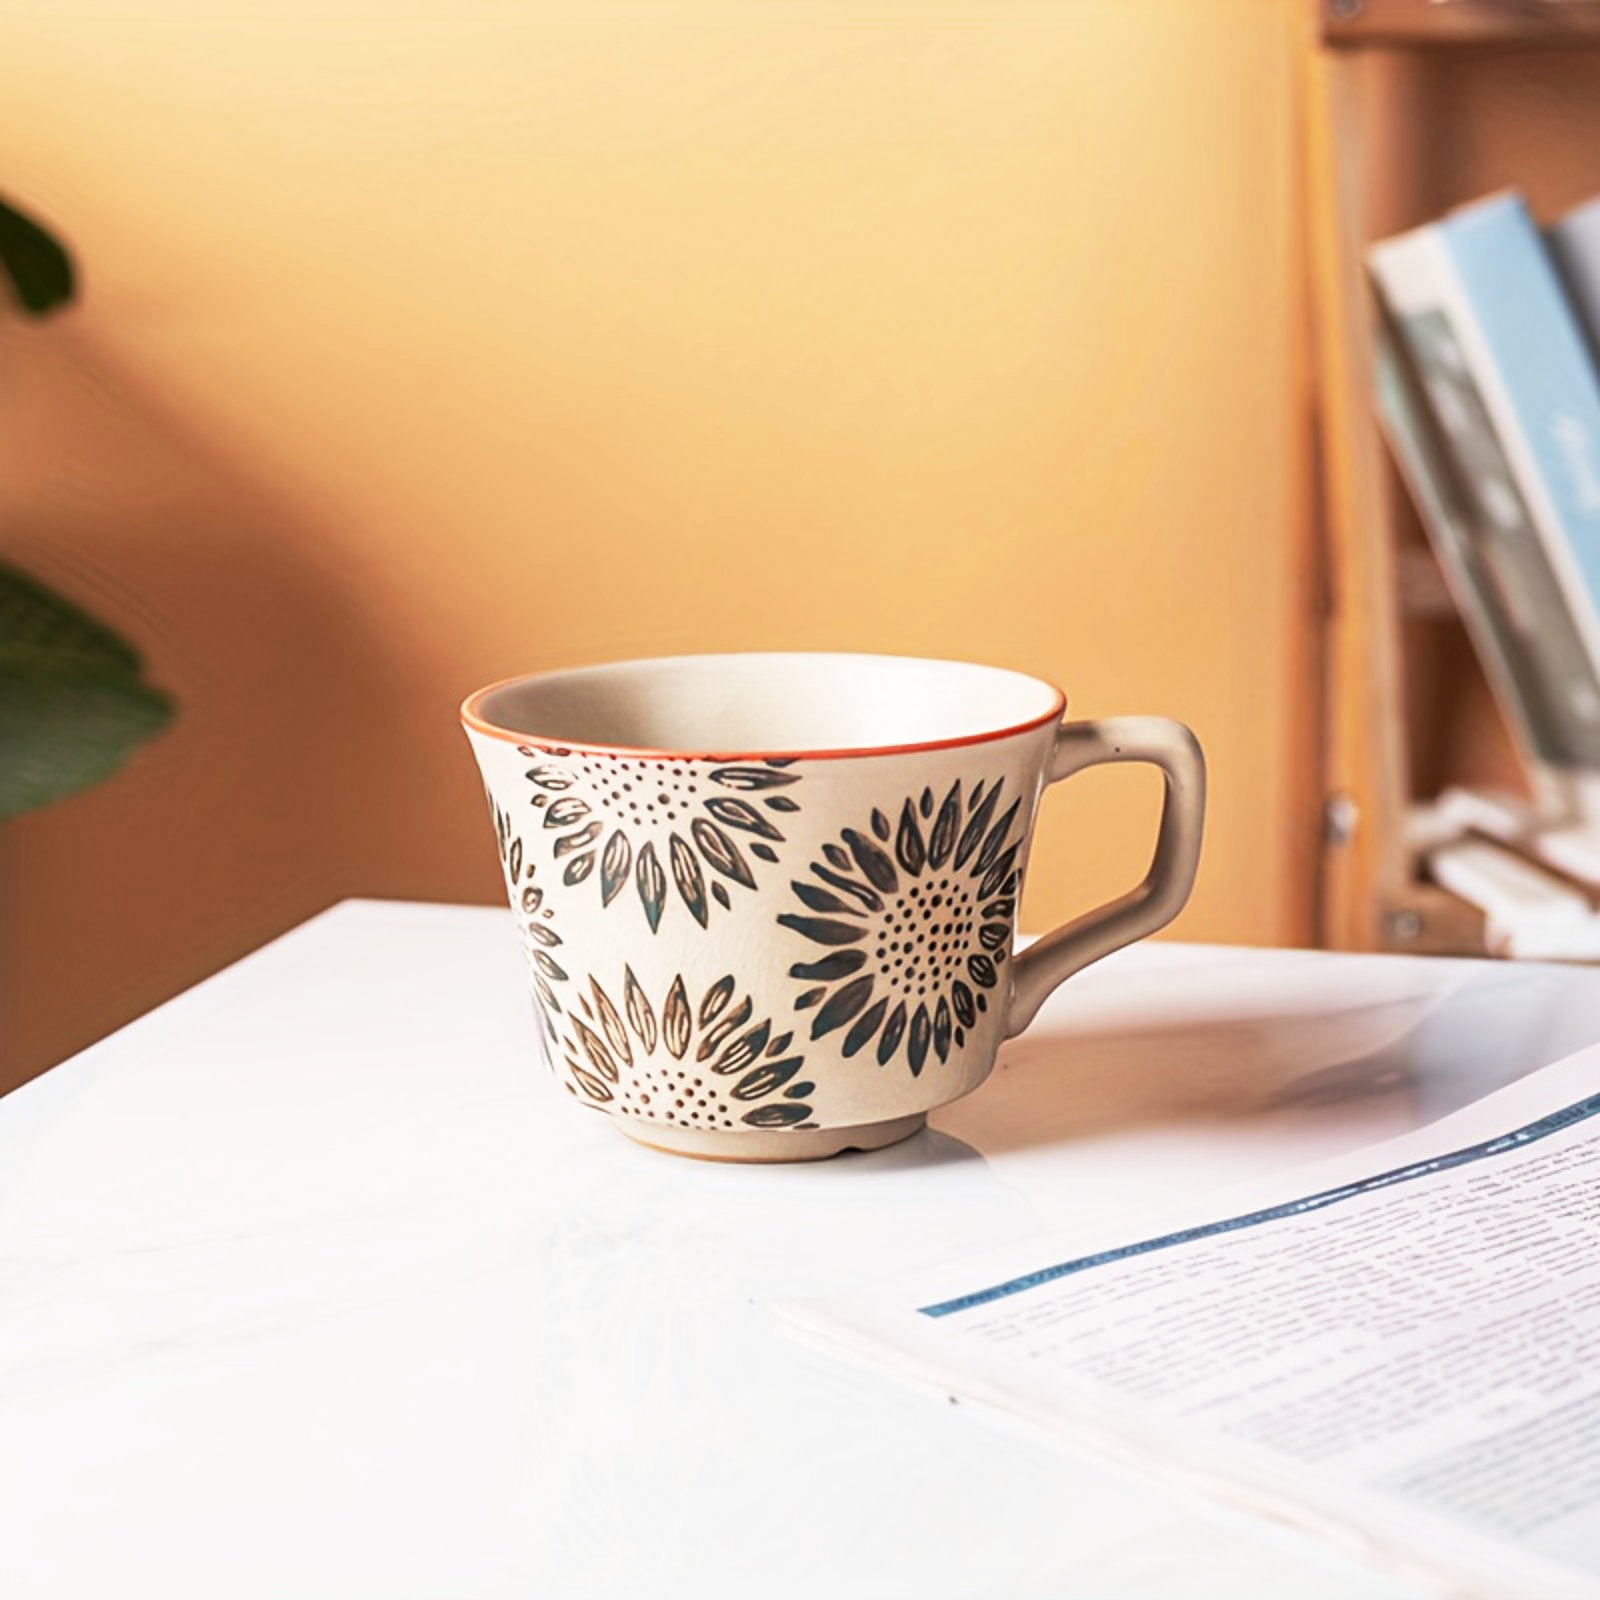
1038	970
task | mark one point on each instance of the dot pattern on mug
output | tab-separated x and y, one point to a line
711	1065
923	937
693	832
916	918
649	791
671	1094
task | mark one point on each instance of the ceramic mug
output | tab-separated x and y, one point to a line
768	901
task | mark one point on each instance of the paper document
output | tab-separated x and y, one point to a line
1402	1348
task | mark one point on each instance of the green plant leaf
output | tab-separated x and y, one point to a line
36	264
73	703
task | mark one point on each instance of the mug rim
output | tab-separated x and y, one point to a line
473	719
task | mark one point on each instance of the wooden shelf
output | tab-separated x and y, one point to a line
1400	694
1405	119
1436	24
1425	920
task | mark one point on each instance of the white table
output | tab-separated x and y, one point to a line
311	1284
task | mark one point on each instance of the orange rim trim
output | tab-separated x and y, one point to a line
472	718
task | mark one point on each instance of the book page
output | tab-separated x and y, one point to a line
1408	1350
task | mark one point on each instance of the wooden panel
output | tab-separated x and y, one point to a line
1428	921
1364	761
1428	24
1399	672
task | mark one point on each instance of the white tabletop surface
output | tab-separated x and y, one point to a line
313	1284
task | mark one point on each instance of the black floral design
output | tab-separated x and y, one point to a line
707	1065
917	919
539	939
623	820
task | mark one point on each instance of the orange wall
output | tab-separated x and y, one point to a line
430	343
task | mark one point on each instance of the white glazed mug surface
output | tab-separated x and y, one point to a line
768	901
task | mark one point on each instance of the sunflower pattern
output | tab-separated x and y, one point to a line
701	1066
917	920
620	820
539	939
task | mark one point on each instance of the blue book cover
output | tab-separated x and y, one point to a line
1504	459
1538	351
1491	555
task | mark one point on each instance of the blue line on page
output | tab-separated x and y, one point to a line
1580	1111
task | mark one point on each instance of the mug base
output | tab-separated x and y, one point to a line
807	1144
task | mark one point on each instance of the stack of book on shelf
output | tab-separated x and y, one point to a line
1488	376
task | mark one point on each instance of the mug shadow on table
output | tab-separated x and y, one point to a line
1444	1047
1089	1084
1058	1089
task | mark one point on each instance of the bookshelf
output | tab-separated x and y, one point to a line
1399	679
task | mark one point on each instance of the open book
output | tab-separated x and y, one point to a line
1400	1348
